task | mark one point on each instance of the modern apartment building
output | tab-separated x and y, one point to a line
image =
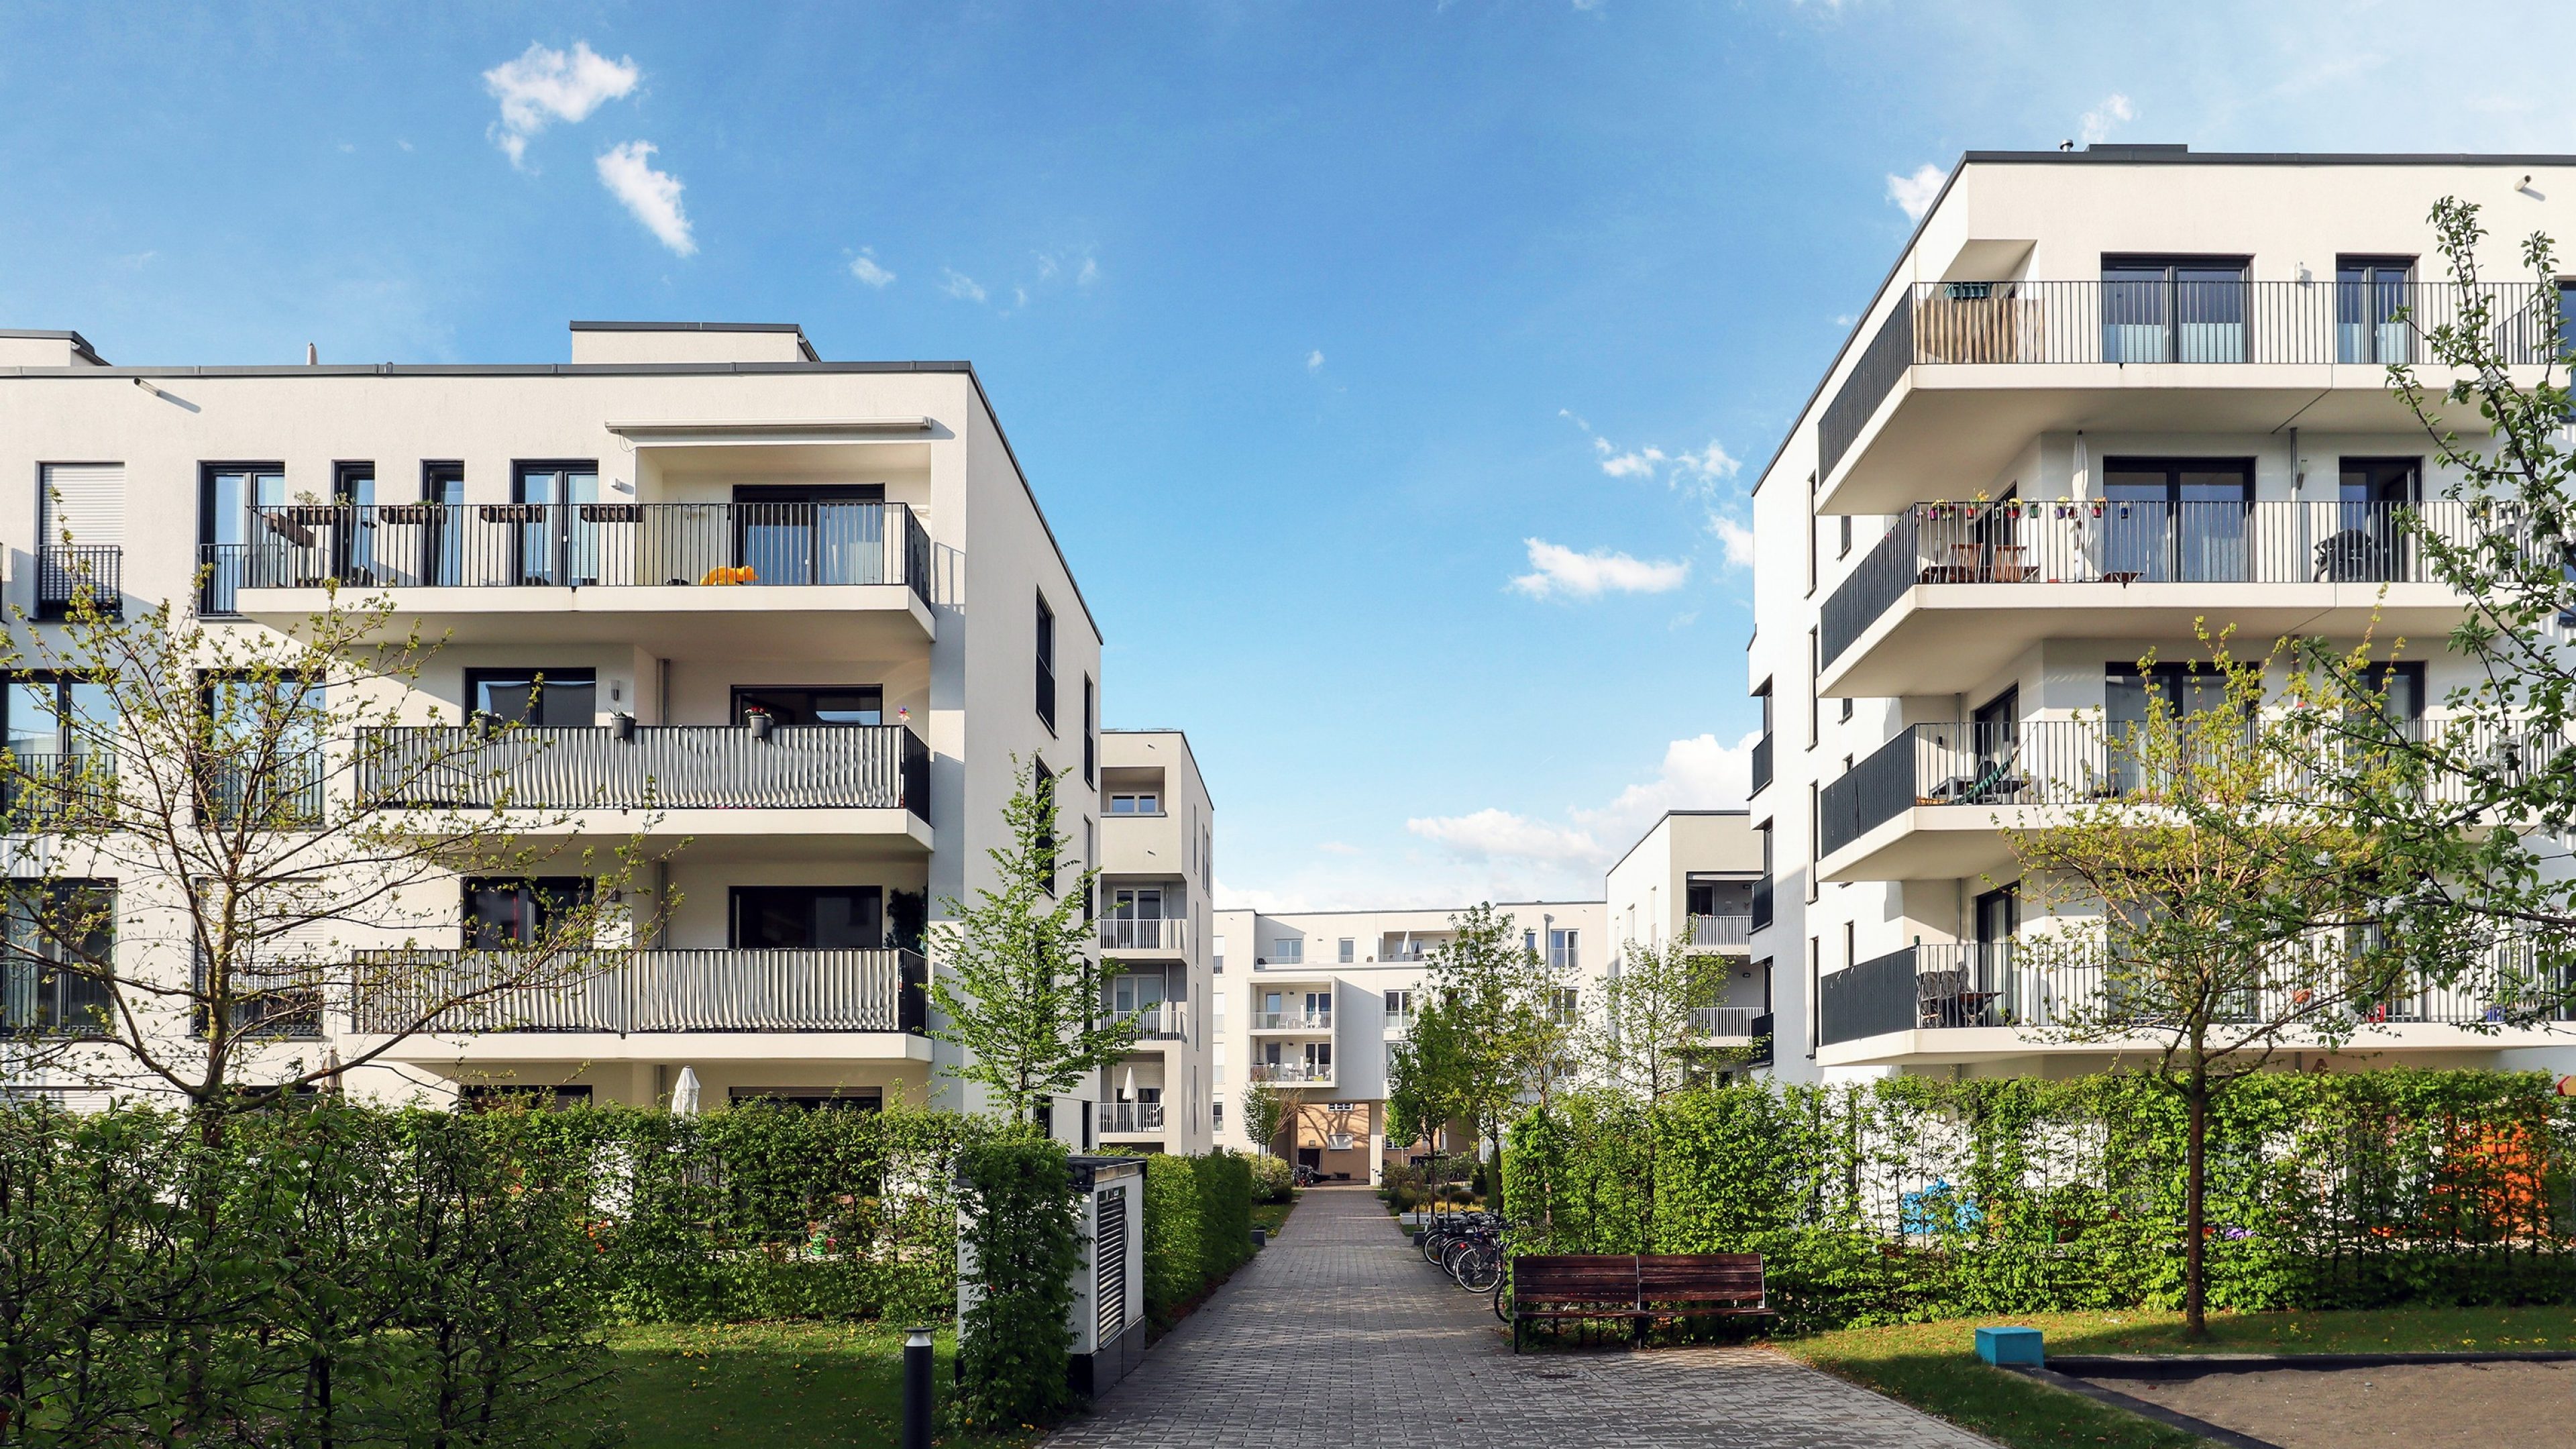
809	611
2099	396
1156	918
1691	877
1310	1001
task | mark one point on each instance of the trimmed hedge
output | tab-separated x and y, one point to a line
1015	1197
1174	1234
1225	1213
1911	1199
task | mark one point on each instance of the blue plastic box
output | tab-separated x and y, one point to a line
2010	1345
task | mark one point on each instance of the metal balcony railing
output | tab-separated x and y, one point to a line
1949	986
1762	902
1761	763
1725	1021
581	545
55	792
285	796
651	991
2318	321
670	767
1292	1073
1131	1116
1163	1018
41	999
64	571
1721	931
1292	1021
1131	933
1408	952
2118	542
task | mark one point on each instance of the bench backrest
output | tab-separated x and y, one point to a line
1576	1277
1700	1278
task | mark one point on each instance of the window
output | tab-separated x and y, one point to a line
845	707
1851	937
1042	784
1842	523
264	742
1136	904
2126	706
1090	732
442	532
503	912
1288	950
1216	1008
2177	519
488	1097
819	1099
809	533
1565	1006
1564	950
2401	688
80	529
2174	309
1847	707
534	698
1815	839
229	497
2368	293
62	939
548	546
1815	970
1135	802
1046	664
51	717
2370	542
1216	1062
1399	1004
353	485
1216	1115
1217	954
1140	992
808	918
1815	672
1811	534
1345	951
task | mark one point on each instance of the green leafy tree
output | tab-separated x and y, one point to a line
1498	1025
2210	905
1020	981
1641	1038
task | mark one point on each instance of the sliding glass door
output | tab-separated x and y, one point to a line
2177	309
2186	520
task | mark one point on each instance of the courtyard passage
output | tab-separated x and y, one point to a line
1339	1334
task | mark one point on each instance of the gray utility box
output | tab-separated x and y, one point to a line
1108	1313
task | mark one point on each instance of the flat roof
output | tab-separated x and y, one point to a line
802	346
80	344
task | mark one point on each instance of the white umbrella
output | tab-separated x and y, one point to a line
684	1093
2083	479
1127	1093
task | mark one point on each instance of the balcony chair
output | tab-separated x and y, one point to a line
1992	786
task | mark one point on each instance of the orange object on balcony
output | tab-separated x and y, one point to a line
723	575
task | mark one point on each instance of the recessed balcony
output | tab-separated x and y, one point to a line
1292	1074
1959	376
1303	1022
1130	1119
1722	932
845	580
1956	591
1138	936
1162	1020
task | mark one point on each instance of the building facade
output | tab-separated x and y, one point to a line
2100	396
1156	919
801	614
1691	877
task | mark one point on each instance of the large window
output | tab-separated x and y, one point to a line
550	546
2370	543
519	911
1135	802
2177	519
2174	309
821	918
811	534
61	945
2369	291
1046	664
857	704
263	748
536	698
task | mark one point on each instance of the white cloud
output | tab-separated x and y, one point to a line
1915	194
1709	462
653	196
1641	463
1735	537
1489	834
544	86
2098	121
1560	571
864	267
1315	360
960	286
1089	274
1336	847
1696	774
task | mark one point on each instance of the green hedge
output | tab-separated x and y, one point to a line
1911	1199
1175	1233
1016	1199
1225	1213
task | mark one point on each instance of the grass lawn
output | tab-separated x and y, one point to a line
771	1386
1933	1366
1273	1215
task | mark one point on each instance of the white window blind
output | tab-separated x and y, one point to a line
86	500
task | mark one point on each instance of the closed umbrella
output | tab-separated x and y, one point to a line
684	1093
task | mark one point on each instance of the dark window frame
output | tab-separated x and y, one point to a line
1046	692
475	677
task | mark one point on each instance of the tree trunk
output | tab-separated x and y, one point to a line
2195	1194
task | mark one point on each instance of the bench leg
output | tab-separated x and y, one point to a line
1516	1333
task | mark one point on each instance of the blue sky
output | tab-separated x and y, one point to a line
1390	372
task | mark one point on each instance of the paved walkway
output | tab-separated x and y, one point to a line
1340	1335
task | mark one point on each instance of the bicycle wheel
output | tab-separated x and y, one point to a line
1479	1271
1503	1294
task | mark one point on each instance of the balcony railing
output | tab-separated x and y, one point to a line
55	792
1949	986
1990	764
1131	1116
1292	1073
1762	902
583	545
1408	952
1292	1021
1125	933
2155	321
1726	1021
285	796
64	571
1721	931
1762	762
2118	542
1163	1018
668	767
651	991
38	999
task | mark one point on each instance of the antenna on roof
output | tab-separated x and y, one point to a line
2066	145
311	356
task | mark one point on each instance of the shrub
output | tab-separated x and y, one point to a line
1225	1212
1272	1180
1016	1200
1175	1258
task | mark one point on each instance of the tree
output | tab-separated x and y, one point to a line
238	836
1495	1027
1641	1038
1268	1110
2213	900
1020	980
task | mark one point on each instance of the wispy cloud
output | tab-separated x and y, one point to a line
1491	833
2114	111
1089	273
1315	360
1560	572
544	86
1696	774
1915	194
653	196
864	267
1735	537
1336	847
960	286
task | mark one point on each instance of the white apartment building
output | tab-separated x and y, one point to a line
1156	919
1692	876
832	734
2100	394
1311	1000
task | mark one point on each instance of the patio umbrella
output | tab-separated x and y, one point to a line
1127	1092
684	1093
2082	482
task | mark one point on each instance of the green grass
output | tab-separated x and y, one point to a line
1933	1365
1271	1216
771	1386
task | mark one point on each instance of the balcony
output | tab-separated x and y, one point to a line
1166	937
1292	1074
1721	933
1969	1001
1298	1021
1762	902
1163	1019
1409	952
1956	591
1761	763
39	999
64	572
1725	1025
850	580
1130	1118
1960	376
743	999
1931	804
41	794
710	782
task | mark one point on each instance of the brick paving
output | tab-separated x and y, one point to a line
1338	1334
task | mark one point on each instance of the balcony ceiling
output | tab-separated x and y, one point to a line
715	837
821	622
672	1049
1949	430
1938	1045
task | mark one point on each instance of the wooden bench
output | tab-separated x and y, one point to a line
1641	1288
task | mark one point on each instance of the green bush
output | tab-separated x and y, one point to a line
1272	1179
1911	1199
1175	1256
1225	1212
1015	1197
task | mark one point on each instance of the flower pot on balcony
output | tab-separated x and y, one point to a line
625	726
760	722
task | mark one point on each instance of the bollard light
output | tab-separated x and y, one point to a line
916	1388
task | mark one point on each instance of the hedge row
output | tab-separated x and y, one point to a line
1198	1225
1911	1199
